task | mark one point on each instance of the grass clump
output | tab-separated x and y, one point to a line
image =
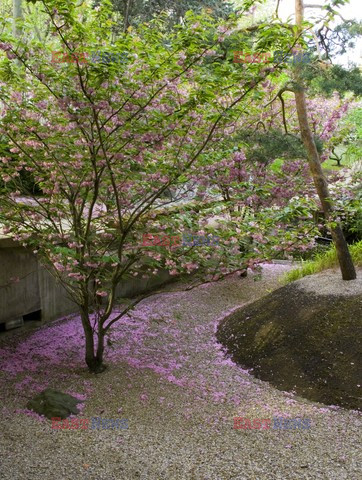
322	262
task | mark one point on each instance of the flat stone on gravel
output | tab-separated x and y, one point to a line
52	403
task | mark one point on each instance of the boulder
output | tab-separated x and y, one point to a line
53	403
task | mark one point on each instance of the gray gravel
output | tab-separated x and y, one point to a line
330	282
180	415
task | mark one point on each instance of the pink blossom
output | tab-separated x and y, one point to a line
101	293
59	266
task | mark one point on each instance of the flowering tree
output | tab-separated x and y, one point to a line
105	141
325	116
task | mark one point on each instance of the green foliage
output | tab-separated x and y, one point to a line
322	262
6	71
334	79
266	146
352	217
354	148
143	11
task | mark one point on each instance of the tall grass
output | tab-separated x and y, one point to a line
323	261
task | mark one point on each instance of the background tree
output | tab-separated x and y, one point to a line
344	256
17	15
135	12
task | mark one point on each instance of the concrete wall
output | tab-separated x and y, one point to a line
135	286
54	299
17	298
38	290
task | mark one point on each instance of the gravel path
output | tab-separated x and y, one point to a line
168	377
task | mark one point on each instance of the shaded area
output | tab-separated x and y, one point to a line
300	341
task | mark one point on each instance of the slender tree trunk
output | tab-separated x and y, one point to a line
320	181
17	14
126	16
93	361
100	348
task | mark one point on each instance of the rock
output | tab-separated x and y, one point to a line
53	403
303	341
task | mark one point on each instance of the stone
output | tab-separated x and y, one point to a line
53	403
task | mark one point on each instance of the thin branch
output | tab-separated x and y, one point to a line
283	112
277	9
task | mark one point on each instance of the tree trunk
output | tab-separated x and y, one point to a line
17	14
126	16
320	181
100	349
94	362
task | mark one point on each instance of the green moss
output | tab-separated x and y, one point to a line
307	343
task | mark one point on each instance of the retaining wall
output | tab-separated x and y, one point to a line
38	291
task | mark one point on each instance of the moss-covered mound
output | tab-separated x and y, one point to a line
301	341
